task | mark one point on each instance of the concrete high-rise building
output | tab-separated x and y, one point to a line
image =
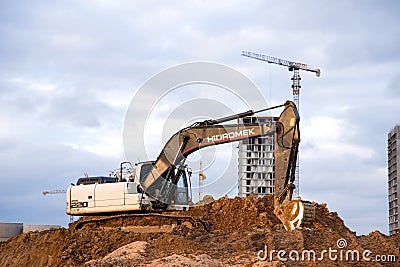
256	159
393	177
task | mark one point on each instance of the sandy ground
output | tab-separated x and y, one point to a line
243	232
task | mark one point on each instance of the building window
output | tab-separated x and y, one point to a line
261	190
261	175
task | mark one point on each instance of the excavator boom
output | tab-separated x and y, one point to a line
161	182
188	141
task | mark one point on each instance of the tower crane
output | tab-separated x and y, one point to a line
53	192
292	66
58	191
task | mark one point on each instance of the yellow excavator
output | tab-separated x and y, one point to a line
163	184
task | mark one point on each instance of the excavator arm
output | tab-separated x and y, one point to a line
161	182
292	213
164	173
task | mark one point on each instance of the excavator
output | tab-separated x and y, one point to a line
153	187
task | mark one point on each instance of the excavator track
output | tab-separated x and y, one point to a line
141	223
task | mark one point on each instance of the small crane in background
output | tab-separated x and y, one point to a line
53	192
295	67
58	191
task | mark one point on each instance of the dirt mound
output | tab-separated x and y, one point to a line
124	255
226	214
243	232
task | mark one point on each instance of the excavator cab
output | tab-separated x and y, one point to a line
179	194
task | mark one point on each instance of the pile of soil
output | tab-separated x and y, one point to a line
226	214
242	232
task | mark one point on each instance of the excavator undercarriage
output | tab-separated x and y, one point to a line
140	223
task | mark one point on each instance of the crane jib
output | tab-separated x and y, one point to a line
283	62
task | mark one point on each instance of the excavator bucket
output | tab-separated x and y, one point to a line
292	213
295	214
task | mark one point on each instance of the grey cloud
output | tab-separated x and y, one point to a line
60	106
28	170
81	110
393	88
15	97
7	145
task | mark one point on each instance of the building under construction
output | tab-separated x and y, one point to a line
393	176
256	159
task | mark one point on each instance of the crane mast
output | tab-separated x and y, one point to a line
292	66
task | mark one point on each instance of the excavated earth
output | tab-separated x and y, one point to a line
241	232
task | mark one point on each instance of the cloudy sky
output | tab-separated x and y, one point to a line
69	70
